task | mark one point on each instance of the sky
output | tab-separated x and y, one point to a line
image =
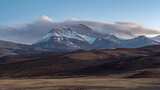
144	12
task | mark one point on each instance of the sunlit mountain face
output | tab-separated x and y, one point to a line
32	32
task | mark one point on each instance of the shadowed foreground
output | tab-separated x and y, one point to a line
85	83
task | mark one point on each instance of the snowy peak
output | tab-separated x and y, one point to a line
77	32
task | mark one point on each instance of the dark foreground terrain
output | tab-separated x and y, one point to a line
126	63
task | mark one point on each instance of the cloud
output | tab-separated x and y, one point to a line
46	18
136	29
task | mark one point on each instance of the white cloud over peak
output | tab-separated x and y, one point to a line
46	18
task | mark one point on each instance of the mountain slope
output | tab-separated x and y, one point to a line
10	48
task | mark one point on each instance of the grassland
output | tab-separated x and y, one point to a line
83	83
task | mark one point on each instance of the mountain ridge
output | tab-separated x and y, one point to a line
86	39
34	31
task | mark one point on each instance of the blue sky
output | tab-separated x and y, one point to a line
145	12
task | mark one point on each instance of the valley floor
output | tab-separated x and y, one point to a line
83	83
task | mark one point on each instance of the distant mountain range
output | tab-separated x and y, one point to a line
60	41
34	31
71	35
79	36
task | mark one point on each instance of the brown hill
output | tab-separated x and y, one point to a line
129	63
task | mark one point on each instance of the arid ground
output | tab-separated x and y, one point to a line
83	83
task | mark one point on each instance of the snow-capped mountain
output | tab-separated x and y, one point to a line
33	32
74	37
69	37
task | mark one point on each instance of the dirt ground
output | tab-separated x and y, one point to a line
83	83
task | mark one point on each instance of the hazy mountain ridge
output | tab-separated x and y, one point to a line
11	49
